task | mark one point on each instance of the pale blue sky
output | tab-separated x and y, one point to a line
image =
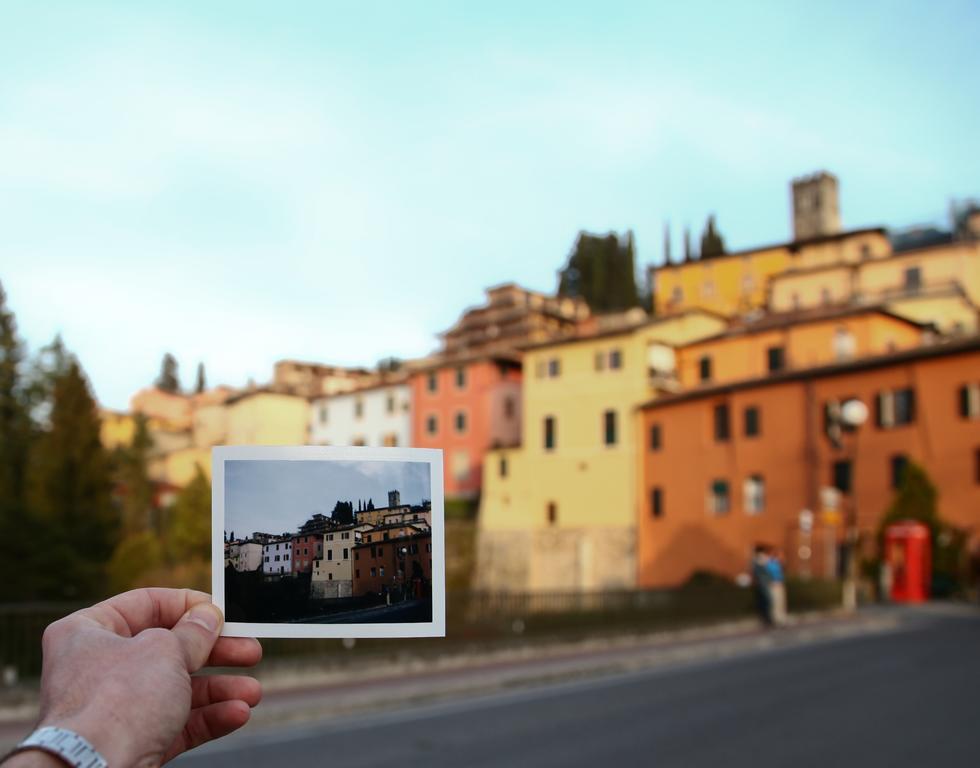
237	183
279	496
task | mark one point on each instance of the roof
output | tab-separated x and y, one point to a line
791	245
451	361
623	331
939	349
400	381
262	391
776	320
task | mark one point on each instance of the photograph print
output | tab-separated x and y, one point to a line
328	542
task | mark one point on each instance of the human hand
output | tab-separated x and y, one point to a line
119	674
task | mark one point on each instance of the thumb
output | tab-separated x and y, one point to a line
197	631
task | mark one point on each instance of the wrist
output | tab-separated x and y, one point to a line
110	742
32	758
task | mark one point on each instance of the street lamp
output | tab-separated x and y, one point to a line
848	416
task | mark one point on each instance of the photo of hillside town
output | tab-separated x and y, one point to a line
327	541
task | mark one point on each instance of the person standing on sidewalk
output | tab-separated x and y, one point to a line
761	579
777	588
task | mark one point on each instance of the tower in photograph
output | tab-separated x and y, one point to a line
394	499
816	210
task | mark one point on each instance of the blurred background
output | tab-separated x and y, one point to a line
676	289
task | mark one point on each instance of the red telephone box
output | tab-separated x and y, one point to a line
908	554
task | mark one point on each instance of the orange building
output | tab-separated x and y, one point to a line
393	563
725	467
465	406
785	341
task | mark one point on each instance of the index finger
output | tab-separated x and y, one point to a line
131	612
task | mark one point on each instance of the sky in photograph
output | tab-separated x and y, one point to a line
240	182
279	496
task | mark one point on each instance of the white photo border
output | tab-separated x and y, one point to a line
431	456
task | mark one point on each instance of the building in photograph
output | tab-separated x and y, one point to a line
512	317
396	565
757	460
245	555
381	533
378	415
333	572
277	557
466	406
265	417
559	511
307	547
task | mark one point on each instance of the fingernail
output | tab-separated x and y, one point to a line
206	615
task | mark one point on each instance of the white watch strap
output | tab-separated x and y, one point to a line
67	745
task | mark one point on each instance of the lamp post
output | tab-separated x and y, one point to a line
850	415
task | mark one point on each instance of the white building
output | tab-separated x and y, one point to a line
377	416
277	557
246	555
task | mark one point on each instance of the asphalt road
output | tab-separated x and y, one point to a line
907	697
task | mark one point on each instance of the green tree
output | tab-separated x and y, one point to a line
18	527
138	556
915	499
343	512
189	529
202	383
168	380
135	486
602	270
69	485
712	243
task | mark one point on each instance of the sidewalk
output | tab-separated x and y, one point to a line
301	692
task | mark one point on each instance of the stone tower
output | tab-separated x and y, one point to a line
816	210
394	499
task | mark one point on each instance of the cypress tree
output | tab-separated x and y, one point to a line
168	380
201	384
602	271
712	243
137	488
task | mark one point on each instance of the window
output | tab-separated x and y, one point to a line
329	554
913	279
615	359
825	296
509	407
461	466
358	408
550	429
722	427
600	360
460	421
704	368
433	382
329	577
895	408
970	401
865	251
431	425
719	500
323	414
841	479
677	295
540	369
776	358
899	462
609	427
460	378
346	553
554	368
845	346
552	513
357	573
390	404
656	437
381	571
503	466
752	425
657	502
754	494
374	572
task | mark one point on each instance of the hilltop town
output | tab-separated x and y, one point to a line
634	448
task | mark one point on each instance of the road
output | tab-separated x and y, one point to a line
905	697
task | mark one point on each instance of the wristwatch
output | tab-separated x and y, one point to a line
68	745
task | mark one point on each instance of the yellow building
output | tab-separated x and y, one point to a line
939	284
737	282
264	417
559	512
179	467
